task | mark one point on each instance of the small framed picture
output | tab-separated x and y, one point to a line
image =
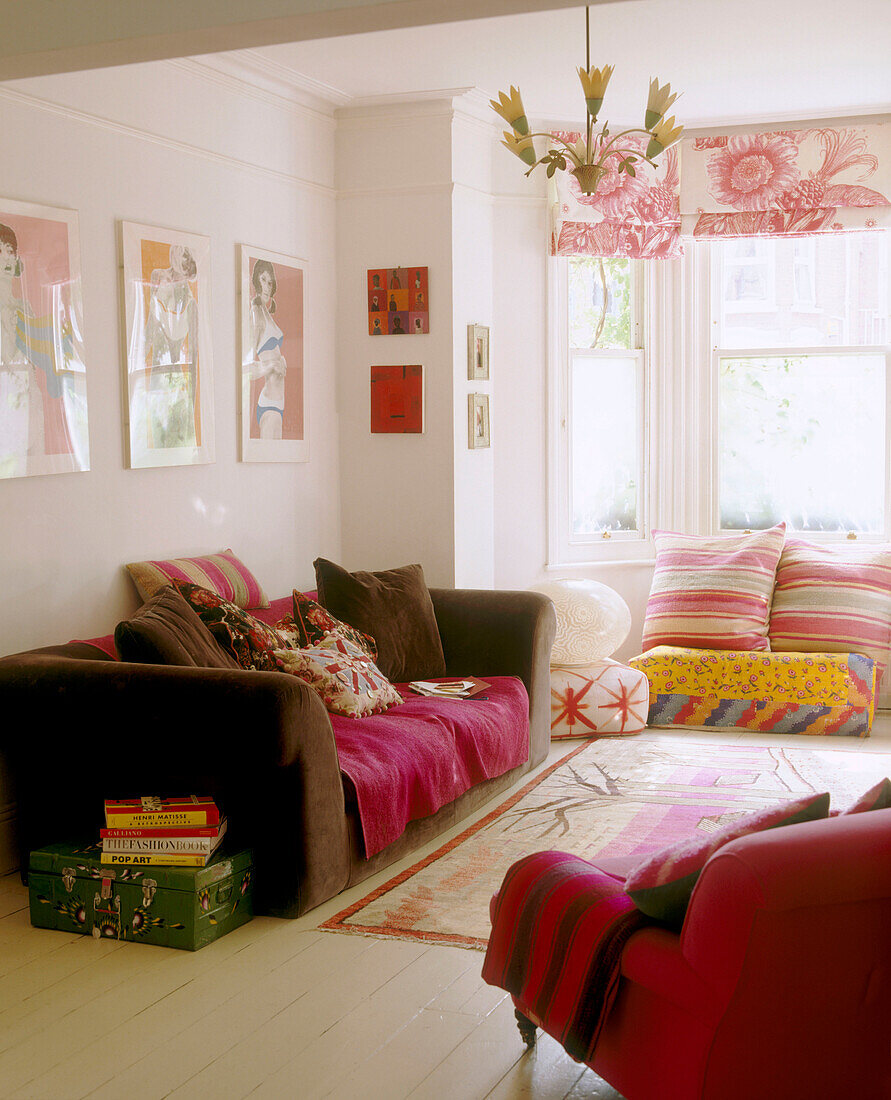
477	420
478	353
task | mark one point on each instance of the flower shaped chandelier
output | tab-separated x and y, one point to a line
586	158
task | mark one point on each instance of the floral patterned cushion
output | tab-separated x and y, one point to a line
311	623
343	675
251	642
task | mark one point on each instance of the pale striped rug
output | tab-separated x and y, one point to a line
606	797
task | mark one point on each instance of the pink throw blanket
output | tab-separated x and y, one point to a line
414	758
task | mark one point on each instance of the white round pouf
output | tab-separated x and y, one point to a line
591	695
592	621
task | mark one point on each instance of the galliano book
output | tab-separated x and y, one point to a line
172	843
161	812
173	830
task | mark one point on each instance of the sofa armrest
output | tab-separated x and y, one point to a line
500	633
77	732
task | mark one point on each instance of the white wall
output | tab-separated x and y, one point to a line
394	210
176	146
163	145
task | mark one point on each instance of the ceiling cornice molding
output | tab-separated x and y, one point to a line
249	74
744	124
73	114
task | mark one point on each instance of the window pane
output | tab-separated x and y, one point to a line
818	291
600	303
802	439
604	444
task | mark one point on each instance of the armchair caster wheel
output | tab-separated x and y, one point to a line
527	1028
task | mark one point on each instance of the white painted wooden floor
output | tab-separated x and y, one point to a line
277	1009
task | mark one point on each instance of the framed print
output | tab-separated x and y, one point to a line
478	353
43	373
477	420
273	392
397	399
398	301
168	346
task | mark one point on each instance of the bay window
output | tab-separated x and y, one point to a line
744	384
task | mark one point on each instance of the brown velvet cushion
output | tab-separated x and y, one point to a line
395	608
166	631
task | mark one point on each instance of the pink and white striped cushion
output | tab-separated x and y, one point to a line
831	601
712	592
222	573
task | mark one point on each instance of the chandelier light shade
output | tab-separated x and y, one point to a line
586	158
592	621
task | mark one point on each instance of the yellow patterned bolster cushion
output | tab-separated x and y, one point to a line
828	693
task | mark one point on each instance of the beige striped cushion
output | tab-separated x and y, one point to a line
833	601
222	573
712	592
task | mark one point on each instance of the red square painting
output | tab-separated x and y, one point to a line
397	399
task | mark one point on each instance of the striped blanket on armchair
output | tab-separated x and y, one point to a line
558	930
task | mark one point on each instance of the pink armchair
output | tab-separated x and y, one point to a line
779	983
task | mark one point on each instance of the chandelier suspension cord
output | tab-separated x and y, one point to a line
588	69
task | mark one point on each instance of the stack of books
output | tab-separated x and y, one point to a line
164	832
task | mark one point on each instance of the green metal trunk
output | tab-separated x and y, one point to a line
189	907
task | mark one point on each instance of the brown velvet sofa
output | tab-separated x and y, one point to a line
79	725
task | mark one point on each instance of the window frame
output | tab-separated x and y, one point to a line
565	549
677	331
706	290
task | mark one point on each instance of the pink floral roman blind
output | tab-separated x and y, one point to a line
787	183
634	216
784	183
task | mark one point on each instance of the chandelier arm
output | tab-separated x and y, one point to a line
633	130
627	152
551	137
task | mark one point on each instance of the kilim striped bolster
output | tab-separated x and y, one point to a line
559	927
222	573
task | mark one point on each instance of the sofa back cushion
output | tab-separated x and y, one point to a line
831	601
166	631
712	592
394	607
222	573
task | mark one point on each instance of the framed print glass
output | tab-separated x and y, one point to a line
477	420
273	394
478	353
43	374
169	355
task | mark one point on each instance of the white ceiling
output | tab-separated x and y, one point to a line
735	60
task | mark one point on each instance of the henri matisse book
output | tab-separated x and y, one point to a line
161	812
